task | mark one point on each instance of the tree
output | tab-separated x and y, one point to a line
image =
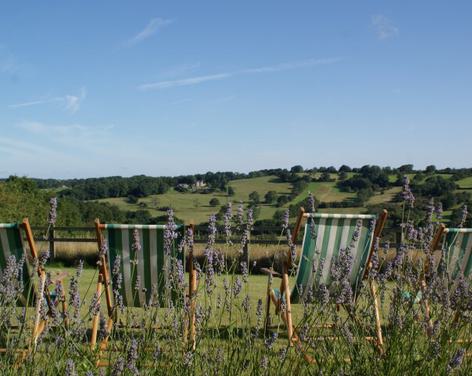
406	169
231	191
270	197
430	169
282	200
296	169
254	197
214	202
345	168
325	176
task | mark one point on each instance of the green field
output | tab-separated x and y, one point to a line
195	206
465	183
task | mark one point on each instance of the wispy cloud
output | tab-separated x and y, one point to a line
221	76
184	82
383	27
70	102
73	132
151	28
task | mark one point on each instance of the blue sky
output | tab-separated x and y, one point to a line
164	88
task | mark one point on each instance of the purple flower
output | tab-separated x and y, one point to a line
170	233
285	219
311	203
119	367
136	246
52	216
227	223
237	287
103	251
269	342
244	271
246	304
264	362
323	294
456	360
94	308
210	255
259	313
240	215
70	368
132	357
407	194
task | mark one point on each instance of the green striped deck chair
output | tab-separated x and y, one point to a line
148	268
325	235
11	244
458	252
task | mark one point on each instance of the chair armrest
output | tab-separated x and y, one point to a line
271	272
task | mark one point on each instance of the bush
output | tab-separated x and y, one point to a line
214	202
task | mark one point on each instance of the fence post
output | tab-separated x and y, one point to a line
52	250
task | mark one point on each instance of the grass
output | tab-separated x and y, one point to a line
465	183
387	196
325	192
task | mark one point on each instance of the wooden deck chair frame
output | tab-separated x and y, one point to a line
285	288
104	283
39	323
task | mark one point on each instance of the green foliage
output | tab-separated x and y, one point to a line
254	197
270	197
214	202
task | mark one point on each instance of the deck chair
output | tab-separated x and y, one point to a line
151	270
457	257
11	244
458	252
332	232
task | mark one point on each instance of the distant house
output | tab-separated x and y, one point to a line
200	184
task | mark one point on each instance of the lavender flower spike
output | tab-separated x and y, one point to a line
52	216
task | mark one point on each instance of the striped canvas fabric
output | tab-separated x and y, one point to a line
152	264
458	252
325	235
11	244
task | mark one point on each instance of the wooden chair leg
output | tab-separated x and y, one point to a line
288	307
427	311
378	325
39	325
267	320
96	318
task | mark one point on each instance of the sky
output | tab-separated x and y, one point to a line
107	88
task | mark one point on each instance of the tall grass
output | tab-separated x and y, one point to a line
231	338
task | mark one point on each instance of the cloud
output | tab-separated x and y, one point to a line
72	132
71	102
151	28
292	65
383	27
220	76
184	82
